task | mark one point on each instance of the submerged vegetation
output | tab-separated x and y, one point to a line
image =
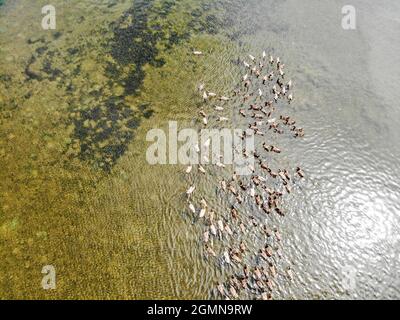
75	106
106	109
104	128
104	98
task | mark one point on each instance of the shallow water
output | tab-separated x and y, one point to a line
76	191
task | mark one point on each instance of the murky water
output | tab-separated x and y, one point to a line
76	103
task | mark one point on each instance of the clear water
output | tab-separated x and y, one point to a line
119	228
